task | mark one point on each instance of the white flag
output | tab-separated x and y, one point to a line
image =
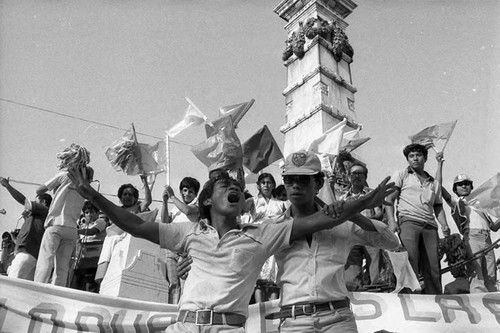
330	141
193	117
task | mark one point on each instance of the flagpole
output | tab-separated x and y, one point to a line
452	129
167	158
137	152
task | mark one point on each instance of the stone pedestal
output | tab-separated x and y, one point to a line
137	270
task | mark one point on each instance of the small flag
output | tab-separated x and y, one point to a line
330	141
222	149
193	117
260	150
236	111
487	196
352	140
436	136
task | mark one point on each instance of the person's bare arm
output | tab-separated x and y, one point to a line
441	217
181	205
148	199
389	208
165	217
320	220
127	221
18	196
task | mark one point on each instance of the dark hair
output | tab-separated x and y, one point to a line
415	147
208	190
89	205
122	188
263	176
280	189
190	182
360	165
222	173
45	197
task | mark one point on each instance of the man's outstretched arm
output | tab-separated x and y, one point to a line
127	221
322	220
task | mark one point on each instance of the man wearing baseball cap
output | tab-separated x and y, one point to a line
311	271
475	226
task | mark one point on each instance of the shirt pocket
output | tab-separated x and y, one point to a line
242	261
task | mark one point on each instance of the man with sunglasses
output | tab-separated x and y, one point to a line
475	226
227	256
311	270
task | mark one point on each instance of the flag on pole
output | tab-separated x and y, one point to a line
487	196
193	117
222	149
260	150
352	140
133	158
436	136
236	111
330	141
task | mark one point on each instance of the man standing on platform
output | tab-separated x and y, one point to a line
419	204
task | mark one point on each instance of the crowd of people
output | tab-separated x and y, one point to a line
226	248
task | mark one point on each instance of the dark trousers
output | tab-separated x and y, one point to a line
421	240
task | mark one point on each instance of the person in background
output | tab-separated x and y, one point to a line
128	195
261	208
475	226
419	204
92	231
30	236
280	193
358	174
59	238
7	256
185	210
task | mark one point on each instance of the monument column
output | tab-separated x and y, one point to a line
319	91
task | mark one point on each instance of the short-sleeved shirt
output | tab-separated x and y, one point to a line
31	233
416	200
315	273
67	204
225	270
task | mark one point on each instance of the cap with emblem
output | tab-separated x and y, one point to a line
302	163
462	178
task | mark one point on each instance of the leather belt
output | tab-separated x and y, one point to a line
209	317
309	309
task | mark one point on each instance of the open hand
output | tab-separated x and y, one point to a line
81	183
377	197
335	209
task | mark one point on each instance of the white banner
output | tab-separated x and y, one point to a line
27	306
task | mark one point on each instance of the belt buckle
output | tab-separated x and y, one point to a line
197	317
309	309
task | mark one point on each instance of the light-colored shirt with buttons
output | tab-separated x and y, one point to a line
315	274
225	270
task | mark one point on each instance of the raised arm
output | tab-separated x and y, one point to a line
181	205
320	220
18	196
165	216
127	221
439	177
147	194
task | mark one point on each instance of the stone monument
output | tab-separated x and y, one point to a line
318	56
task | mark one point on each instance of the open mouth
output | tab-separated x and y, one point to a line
233	197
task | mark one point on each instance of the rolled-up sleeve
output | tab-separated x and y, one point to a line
382	238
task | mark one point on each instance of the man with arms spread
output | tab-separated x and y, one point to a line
227	256
311	271
31	233
419	203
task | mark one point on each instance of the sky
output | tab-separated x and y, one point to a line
415	64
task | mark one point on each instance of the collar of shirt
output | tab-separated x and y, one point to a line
429	177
